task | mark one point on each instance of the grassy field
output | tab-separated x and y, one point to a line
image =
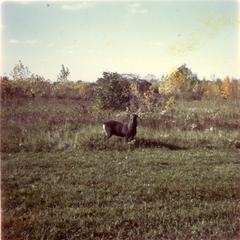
139	194
61	181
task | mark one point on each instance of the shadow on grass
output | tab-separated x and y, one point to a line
120	144
154	143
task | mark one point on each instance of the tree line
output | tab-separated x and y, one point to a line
120	91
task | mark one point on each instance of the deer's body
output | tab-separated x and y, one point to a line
126	130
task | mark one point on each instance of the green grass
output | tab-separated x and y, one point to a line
60	180
139	194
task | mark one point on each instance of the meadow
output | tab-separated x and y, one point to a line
178	180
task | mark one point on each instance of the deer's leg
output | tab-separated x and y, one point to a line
107	136
129	138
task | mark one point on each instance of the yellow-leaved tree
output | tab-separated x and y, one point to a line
179	83
226	88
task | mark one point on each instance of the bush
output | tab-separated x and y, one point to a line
113	92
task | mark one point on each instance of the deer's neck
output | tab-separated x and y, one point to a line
132	124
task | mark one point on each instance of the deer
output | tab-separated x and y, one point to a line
125	130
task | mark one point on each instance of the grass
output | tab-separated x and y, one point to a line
134	194
52	125
178	180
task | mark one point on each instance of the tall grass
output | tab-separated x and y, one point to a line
52	125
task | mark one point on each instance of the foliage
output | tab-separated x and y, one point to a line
211	90
235	89
152	99
170	104
144	96
38	87
36	77
41	88
140	87
20	72
112	92
180	83
134	89
226	88
197	90
118	91
87	91
64	73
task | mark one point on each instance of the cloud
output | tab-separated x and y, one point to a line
136	8
28	42
31	41
14	41
76	6
208	28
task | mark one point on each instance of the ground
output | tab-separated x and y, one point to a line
143	193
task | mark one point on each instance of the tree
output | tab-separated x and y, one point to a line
36	77
112	92
235	87
179	83
139	87
211	89
20	72
226	88
64	73
87	91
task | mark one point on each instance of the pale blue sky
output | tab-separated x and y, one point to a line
127	37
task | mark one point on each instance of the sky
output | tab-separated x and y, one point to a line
140	37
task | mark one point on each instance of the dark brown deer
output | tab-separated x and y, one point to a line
126	130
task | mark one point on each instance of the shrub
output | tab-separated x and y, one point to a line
112	92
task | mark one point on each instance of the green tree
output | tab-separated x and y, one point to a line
64	73
112	92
